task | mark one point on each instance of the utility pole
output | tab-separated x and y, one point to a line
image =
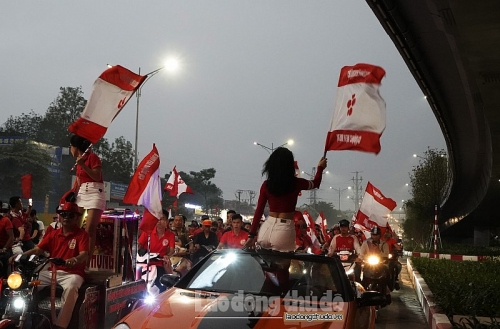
312	193
358	189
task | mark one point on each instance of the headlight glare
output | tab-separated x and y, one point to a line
373	260
15	280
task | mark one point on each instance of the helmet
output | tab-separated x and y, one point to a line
375	230
70	207
207	222
344	222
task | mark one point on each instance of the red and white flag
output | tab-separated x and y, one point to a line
145	189
26	185
321	221
311	231
176	185
375	208
111	92
358	119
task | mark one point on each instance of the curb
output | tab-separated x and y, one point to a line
435	320
445	256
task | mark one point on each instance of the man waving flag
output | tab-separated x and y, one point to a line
145	189
359	115
111	92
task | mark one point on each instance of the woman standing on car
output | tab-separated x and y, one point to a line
89	186
280	190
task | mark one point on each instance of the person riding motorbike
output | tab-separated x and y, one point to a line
395	251
71	243
346	242
375	246
162	241
203	242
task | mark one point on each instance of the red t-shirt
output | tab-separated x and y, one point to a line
283	203
232	241
20	220
92	161
5	224
344	243
159	244
66	247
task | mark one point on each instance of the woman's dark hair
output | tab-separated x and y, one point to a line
165	213
280	172
79	142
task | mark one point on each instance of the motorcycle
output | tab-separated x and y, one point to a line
150	273
394	269
21	309
348	261
375	276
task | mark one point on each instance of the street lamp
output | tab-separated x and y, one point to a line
340	192
171	65
272	148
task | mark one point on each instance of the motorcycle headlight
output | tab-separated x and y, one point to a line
18	303
15	280
373	260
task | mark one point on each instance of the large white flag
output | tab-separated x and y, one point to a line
175	185
375	208
359	114
145	189
111	92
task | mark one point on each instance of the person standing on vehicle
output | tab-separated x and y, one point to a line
162	241
89	186
70	243
6	240
346	242
22	228
203	242
236	238
281	190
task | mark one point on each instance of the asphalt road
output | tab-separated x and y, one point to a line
405	310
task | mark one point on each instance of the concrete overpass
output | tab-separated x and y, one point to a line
452	48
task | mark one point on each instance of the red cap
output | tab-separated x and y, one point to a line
69	207
207	222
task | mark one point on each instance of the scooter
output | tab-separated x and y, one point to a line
375	276
348	261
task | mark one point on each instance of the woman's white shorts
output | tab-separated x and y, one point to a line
91	196
277	234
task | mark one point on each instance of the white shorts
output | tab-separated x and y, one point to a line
277	234
91	196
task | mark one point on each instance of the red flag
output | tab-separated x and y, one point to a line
26	184
358	119
145	189
375	208
176	185
311	231
111	92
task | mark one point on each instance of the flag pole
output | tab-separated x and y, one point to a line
84	153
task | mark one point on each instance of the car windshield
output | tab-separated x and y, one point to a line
273	274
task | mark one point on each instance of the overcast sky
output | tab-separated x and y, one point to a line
251	70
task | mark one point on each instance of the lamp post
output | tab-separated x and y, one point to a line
272	148
171	65
339	191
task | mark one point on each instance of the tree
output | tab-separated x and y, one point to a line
24	157
62	112
429	183
117	159
26	125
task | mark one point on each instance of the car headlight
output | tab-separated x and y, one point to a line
373	260
121	326
15	280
